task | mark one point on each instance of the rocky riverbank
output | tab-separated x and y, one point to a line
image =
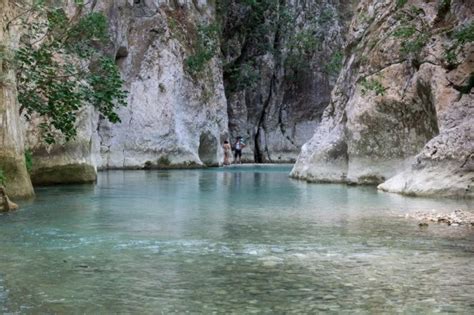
5	204
455	218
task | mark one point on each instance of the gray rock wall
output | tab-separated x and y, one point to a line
281	62
173	118
12	159
401	119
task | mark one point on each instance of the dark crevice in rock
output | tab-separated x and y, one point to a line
259	151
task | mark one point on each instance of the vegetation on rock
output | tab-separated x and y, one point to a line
372	85
205	49
29	160
61	68
3	178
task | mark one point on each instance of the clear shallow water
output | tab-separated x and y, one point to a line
235	240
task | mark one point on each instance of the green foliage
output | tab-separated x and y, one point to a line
60	69
405	31
205	47
3	178
326	16
466	89
301	46
28	160
372	85
465	34
415	45
305	42
401	3
335	64
444	6
450	56
461	37
163	161
413	38
241	77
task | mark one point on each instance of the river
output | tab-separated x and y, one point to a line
230	240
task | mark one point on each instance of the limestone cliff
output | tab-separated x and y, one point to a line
174	117
402	109
12	159
281	59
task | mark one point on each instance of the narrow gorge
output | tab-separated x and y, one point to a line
373	91
236	156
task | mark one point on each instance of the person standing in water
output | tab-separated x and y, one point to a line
238	146
227	152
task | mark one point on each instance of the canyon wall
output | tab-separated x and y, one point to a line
402	109
281	60
174	117
383	87
12	158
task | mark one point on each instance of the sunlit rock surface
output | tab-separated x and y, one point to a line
400	120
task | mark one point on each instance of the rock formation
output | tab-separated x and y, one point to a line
12	159
281	59
402	110
174	117
399	114
5	203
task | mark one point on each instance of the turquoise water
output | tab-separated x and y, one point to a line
234	240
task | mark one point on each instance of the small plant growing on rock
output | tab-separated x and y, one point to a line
460	38
335	64
28	160
465	34
372	85
241	77
412	32
401	3
3	178
413	39
163	161
205	47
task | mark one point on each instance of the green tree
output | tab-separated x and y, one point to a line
61	68
206	47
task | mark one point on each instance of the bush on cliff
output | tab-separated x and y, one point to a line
61	68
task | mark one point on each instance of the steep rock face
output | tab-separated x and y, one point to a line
173	118
12	159
399	94
65	162
281	62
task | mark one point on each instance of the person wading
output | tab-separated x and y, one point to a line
238	146
227	152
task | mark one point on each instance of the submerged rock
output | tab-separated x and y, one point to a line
455	218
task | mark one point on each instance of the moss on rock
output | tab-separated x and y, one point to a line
64	174
17	183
